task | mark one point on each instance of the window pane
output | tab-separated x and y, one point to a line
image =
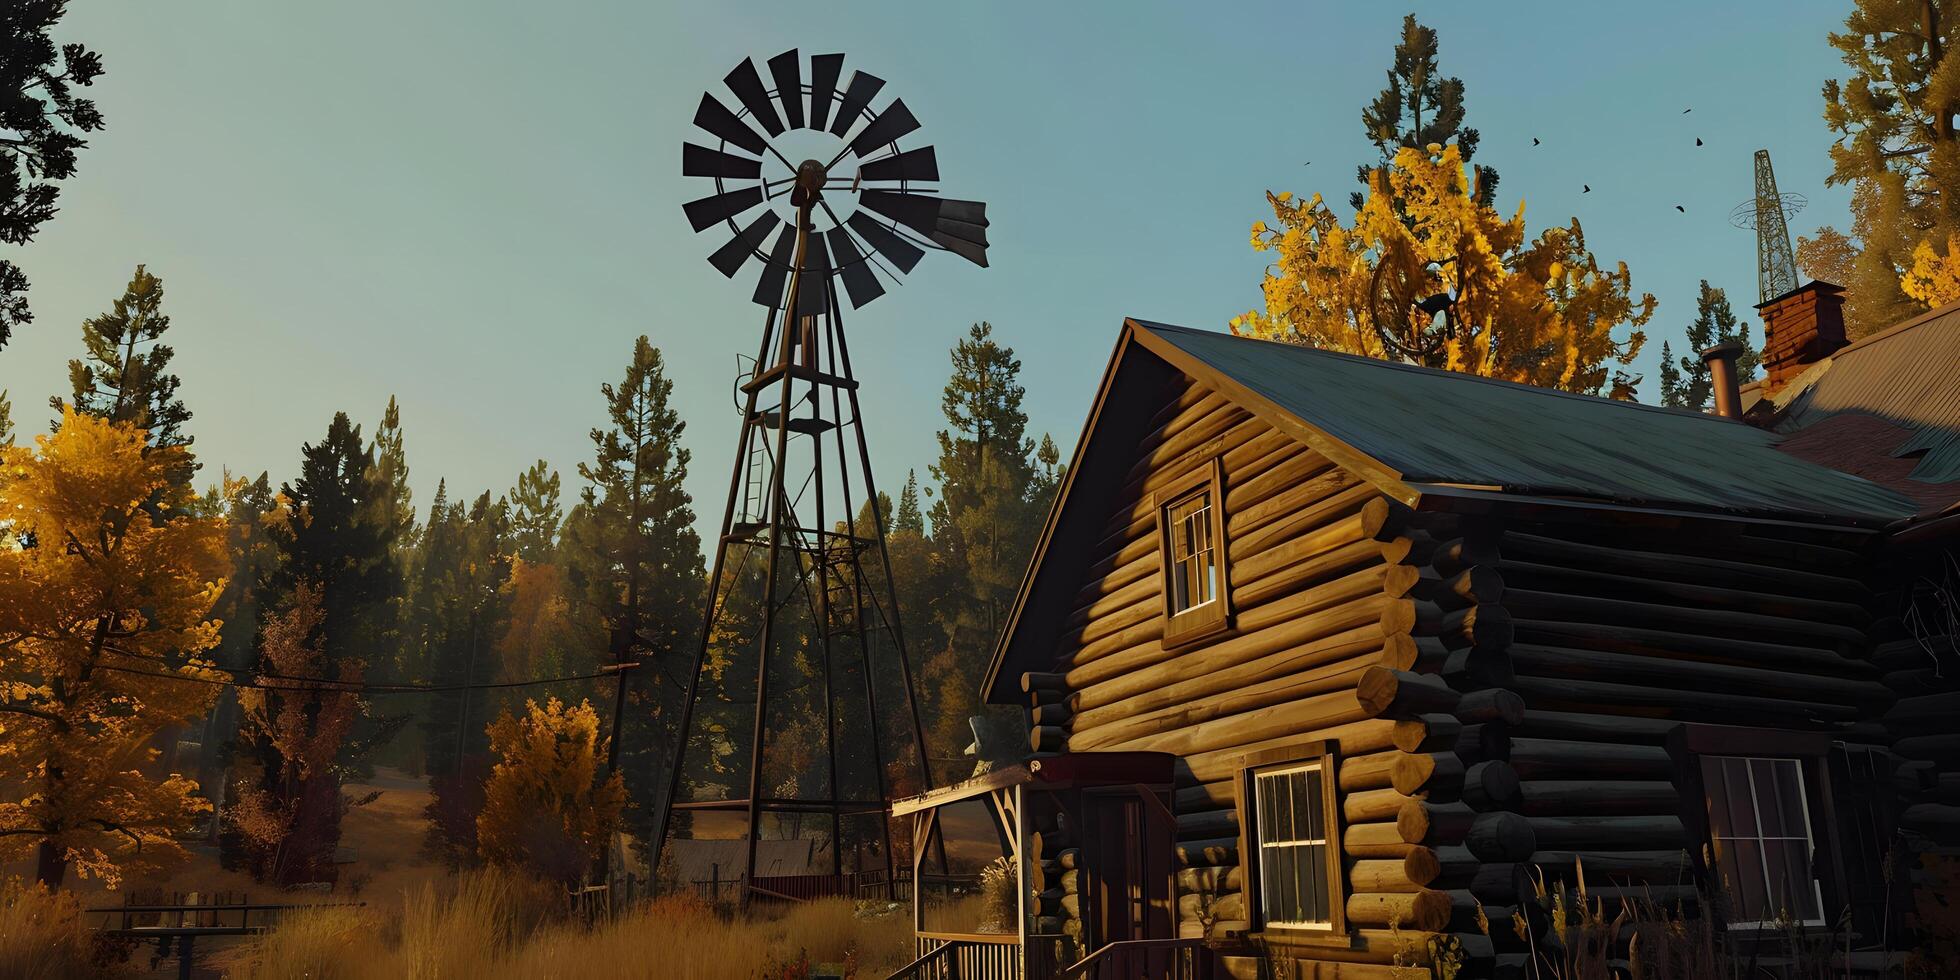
1789	800
1790	884
1746	891
1715	785
1310	800
1742	805
1315	857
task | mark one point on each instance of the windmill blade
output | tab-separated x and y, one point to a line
719	120
859	281
919	164
703	213
746	83
962	229
915	211
824	69
787	70
974	252
856	97
971	212
769	286
892	124
900	252
699	161
729	257
813	292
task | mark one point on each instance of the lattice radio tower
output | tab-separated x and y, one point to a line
1768	215
801	682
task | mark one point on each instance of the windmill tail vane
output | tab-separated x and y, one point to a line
802	631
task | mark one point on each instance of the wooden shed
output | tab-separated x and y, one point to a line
1422	644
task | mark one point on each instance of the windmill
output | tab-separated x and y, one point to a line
818	189
1768	215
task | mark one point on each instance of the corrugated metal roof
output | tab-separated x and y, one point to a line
1440	427
1909	376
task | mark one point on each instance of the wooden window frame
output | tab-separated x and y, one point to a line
1811	752
1326	754
1213	617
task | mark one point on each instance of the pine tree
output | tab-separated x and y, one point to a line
394	506
535	512
1419	107
984	522
635	560
42	117
334	539
125	375
1670	377
1896	146
909	517
1715	323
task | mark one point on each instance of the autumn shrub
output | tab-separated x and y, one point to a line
687	937
41	934
470	923
549	806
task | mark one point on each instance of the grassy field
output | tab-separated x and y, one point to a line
421	921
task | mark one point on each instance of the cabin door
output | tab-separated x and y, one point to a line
1127	839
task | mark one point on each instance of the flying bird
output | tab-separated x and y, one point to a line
1534	141
1697	141
1588	188
1687	110
1681	209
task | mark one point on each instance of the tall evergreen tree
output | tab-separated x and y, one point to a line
394	505
984	521
1715	323
634	557
909	516
125	373
42	116
1420	107
535	512
1670	377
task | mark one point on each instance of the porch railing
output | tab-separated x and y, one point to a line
964	959
1144	959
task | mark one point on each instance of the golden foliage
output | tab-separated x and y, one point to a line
1934	279
1426	274
548	805
105	583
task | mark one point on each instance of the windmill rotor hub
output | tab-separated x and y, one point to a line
810	178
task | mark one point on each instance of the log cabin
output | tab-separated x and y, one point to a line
1416	650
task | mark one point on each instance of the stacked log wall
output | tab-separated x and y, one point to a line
1331	639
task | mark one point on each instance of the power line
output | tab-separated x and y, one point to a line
291	683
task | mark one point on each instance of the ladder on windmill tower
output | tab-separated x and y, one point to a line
822	231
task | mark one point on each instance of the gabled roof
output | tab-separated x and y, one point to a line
1887	408
1416	432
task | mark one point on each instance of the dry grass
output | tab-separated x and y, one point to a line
41	934
490	926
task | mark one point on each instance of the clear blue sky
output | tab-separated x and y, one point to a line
475	205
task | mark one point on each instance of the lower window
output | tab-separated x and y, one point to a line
1759	826
1290	841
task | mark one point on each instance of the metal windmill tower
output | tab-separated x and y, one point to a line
802	646
1768	215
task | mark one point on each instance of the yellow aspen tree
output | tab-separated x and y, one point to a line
548	805
106	584
1934	279
1427	275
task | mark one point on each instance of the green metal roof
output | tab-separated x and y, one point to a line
1908	375
1441	429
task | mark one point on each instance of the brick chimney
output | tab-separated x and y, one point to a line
1800	328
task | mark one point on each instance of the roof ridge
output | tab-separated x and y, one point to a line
1378	362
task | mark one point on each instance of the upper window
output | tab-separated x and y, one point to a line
1190	517
1759	826
1291	841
